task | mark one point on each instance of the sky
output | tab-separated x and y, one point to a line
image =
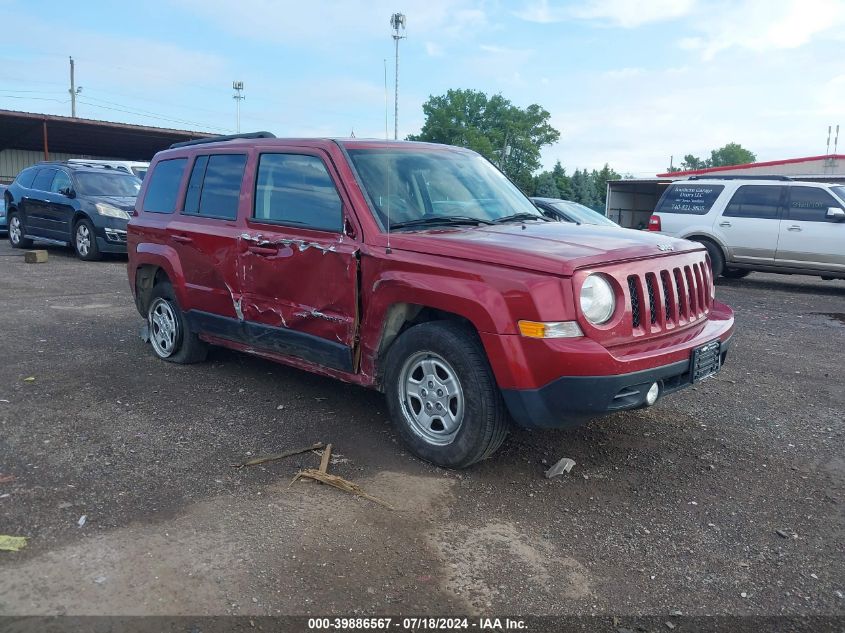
628	83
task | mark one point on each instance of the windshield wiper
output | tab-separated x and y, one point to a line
454	220
519	217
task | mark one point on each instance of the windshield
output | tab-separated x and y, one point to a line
107	184
419	184
580	213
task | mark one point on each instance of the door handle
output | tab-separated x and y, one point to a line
182	239
724	223
264	251
794	227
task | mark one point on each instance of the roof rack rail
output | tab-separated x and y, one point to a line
217	139
738	177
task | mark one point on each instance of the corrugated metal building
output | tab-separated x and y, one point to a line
631	202
27	138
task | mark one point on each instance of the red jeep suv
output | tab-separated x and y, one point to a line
422	271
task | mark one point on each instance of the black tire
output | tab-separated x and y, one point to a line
186	347
735	273
16	233
717	258
484	420
85	241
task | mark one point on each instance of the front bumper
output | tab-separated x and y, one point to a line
111	240
572	400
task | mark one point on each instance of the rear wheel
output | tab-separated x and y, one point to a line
735	273
17	232
442	395
85	241
717	258
170	336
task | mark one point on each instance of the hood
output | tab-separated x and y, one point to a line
553	247
126	203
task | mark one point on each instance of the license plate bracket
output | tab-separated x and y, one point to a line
706	360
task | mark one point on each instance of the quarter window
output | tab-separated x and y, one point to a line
810	204
60	182
43	179
297	189
690	199
215	186
26	177
755	201
164	186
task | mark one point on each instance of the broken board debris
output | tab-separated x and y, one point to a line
340	483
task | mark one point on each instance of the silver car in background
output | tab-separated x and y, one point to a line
771	224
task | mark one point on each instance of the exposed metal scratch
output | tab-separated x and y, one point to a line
320	315
301	245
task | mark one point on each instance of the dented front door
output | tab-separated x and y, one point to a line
298	261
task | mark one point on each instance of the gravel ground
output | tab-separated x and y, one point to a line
723	499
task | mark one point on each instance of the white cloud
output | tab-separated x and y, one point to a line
765	25
433	49
623	13
629	14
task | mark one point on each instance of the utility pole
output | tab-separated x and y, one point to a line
397	21
73	91
238	87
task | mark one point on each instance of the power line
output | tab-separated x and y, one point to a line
156	116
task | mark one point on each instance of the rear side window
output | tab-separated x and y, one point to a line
164	186
61	182
691	199
296	189
43	179
215	186
26	177
810	204
755	201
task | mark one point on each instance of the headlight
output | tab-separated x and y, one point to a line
103	208
597	299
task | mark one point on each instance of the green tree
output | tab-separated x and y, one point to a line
600	179
731	154
693	162
508	136
562	181
545	186
583	188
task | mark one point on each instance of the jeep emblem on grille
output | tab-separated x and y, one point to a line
665	247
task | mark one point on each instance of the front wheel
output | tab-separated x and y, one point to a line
17	231
85	241
442	395
717	258
170	336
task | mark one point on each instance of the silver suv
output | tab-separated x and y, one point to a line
770	224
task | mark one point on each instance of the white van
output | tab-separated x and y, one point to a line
135	167
772	224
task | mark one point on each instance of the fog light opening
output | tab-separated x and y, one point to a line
651	396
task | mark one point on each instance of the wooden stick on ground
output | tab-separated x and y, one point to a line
340	483
270	458
324	461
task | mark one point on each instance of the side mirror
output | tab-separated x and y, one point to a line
67	191
835	214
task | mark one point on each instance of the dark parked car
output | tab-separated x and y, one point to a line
568	211
62	203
